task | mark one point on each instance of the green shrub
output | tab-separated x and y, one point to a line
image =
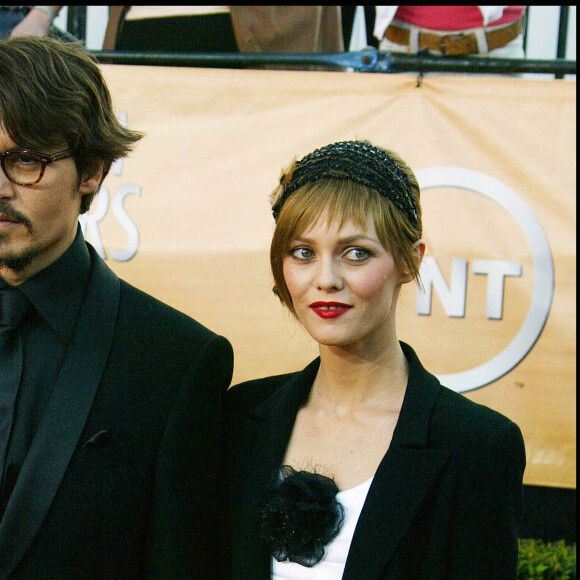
546	561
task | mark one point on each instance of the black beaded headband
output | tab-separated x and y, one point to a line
357	161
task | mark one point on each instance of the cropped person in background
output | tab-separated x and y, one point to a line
363	466
348	19
111	455
493	31
300	29
27	20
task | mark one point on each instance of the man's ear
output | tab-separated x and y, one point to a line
93	177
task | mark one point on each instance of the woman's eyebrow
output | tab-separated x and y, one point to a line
345	240
357	237
342	241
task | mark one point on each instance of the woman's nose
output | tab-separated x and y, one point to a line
328	276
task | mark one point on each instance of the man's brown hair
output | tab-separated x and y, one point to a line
52	94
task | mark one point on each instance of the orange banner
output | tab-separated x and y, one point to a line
186	218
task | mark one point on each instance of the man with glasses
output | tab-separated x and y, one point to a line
110	401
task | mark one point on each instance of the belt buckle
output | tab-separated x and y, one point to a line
443	40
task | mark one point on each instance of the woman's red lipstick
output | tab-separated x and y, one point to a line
330	309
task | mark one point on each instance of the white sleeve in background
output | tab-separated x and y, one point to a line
383	17
491	13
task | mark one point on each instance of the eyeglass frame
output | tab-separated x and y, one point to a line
44	161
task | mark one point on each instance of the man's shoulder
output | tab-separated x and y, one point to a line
137	307
152	313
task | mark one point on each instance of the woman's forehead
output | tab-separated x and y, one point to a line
340	226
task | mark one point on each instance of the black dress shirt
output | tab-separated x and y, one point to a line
56	295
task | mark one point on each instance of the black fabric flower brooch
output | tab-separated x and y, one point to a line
302	516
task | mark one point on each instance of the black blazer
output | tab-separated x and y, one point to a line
124	477
445	501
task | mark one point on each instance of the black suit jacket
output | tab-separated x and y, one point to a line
445	500
124	477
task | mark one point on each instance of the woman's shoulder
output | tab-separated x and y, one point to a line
249	394
461	421
458	407
455	413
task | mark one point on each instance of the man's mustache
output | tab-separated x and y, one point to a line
8	211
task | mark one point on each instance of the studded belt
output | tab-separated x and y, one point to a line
455	44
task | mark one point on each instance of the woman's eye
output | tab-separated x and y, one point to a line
357	254
302	253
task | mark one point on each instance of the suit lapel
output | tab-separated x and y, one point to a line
266	431
64	418
403	479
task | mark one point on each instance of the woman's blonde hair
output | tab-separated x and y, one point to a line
344	199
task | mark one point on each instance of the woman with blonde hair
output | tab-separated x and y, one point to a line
363	466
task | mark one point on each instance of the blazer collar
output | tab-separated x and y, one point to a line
412	430
57	292
64	419
404	477
281	410
263	433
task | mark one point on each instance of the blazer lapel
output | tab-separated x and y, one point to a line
281	411
272	421
62	424
403	479
267	431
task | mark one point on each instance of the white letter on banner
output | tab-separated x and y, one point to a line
90	221
495	270
452	297
128	224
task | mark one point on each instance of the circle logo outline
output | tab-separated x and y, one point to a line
543	292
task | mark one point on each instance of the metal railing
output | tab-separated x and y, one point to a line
368	60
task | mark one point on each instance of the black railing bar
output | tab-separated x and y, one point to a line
562	31
562	34
363	61
233	60
396	62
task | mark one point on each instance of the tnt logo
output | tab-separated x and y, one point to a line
449	286
453	297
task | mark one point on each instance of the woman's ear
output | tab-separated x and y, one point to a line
419	249
419	252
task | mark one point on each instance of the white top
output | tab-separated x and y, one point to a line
331	567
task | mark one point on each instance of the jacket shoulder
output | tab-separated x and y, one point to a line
245	396
458	420
151	313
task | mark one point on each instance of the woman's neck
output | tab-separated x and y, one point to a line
348	379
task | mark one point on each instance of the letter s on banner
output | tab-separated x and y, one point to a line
128	224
